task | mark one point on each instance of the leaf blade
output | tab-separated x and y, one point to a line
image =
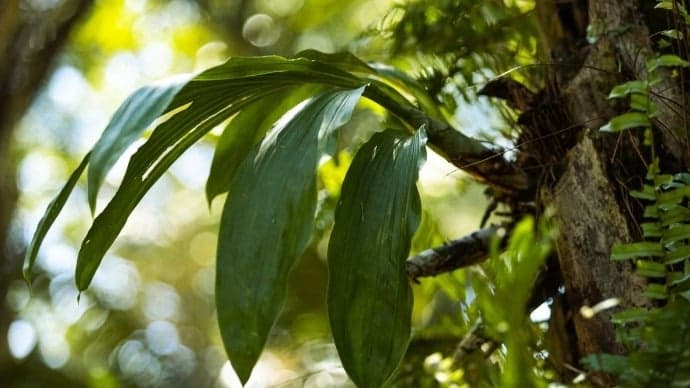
244	131
369	297
130	120
251	276
49	216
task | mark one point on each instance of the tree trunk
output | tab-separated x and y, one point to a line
584	169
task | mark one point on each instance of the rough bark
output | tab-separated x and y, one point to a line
590	206
591	222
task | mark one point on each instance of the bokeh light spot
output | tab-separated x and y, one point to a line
162	337
260	30
21	338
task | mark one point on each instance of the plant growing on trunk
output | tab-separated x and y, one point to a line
285	112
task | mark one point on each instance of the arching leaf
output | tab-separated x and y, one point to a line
244	131
369	297
49	217
267	221
130	120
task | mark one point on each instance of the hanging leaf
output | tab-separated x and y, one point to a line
49	217
667	60
626	121
369	297
130	120
167	142
630	87
244	131
266	224
208	100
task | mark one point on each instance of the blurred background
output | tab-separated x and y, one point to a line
148	318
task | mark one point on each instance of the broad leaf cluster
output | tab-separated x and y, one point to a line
282	115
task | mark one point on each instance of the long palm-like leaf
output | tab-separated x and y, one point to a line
267	221
369	297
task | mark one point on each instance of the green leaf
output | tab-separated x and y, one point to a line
674	196
665	4
647	193
680	284
266	224
369	296
626	121
244	131
677	233
206	101
166	144
651	229
630	87
678	254
611	363
49	216
673	34
637	249
650	269
635	314
667	60
377	72
655	291
674	214
130	120
651	211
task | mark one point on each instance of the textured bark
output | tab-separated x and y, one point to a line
591	222
591	209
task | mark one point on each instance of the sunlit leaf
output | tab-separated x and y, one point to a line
130	120
677	255
650	269
674	214
626	121
674	196
638	249
681	232
49	216
266	224
215	95
245	130
673	34
168	141
651	229
667	60
627	88
369	297
655	291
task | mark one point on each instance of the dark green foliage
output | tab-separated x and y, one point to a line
245	130
135	114
267	222
268	166
369	295
457	40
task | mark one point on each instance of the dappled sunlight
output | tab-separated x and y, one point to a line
148	317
